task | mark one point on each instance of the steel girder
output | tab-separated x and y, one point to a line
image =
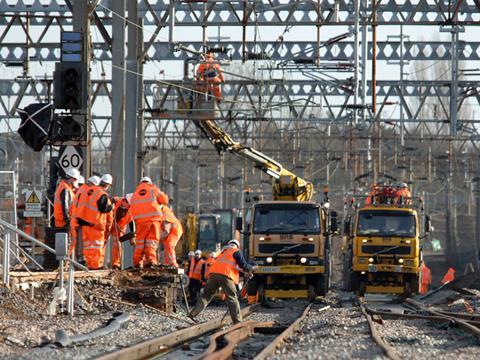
269	12
279	51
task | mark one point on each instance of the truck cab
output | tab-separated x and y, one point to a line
290	243
382	250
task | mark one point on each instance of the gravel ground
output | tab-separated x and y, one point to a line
25	325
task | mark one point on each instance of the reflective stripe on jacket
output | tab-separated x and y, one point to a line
59	211
225	264
145	204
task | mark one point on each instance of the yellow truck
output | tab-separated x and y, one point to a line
382	248
290	241
289	237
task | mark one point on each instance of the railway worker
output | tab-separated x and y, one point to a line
191	263
146	207
449	276
225	274
64	196
197	276
80	192
92	208
174	232
426	279
208	264
210	72
403	194
122	220
371	194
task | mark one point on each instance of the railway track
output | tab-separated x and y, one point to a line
218	339
411	309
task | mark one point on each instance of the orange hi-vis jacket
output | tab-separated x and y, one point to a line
147	202
177	228
225	264
426	279
58	211
197	272
449	276
208	264
87	208
191	266
210	71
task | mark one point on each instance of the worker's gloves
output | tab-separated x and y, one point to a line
248	275
133	241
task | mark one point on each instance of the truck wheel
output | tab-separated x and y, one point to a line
328	269
321	286
261	295
252	287
312	294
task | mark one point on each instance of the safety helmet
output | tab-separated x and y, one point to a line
403	185
107	179
198	252
128	197
191	253
95	180
81	180
146	179
73	173
235	242
213	254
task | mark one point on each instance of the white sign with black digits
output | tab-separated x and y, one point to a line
70	158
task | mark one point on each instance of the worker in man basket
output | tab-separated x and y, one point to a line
64	196
146	207
225	274
174	232
91	216
197	276
211	73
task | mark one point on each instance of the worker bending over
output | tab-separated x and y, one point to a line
211	73
146	208
92	207
122	219
174	233
224	273
64	196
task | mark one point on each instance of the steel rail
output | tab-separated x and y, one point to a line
288	332
231	336
161	344
386	348
453	318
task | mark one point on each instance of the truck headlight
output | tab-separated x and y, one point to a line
310	239
370	260
303	260
261	238
400	261
269	260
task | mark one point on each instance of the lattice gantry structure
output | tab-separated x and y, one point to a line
343	86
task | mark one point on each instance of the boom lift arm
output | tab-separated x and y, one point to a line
285	184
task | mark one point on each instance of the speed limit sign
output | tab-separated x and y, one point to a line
70	157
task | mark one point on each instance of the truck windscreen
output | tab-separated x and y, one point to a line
386	223
286	220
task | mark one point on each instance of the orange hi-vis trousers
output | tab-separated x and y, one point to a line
93	241
169	244
148	238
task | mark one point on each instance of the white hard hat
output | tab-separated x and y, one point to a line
73	173
234	241
95	180
403	185
128	197
146	179
191	253
107	179
81	180
198	252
